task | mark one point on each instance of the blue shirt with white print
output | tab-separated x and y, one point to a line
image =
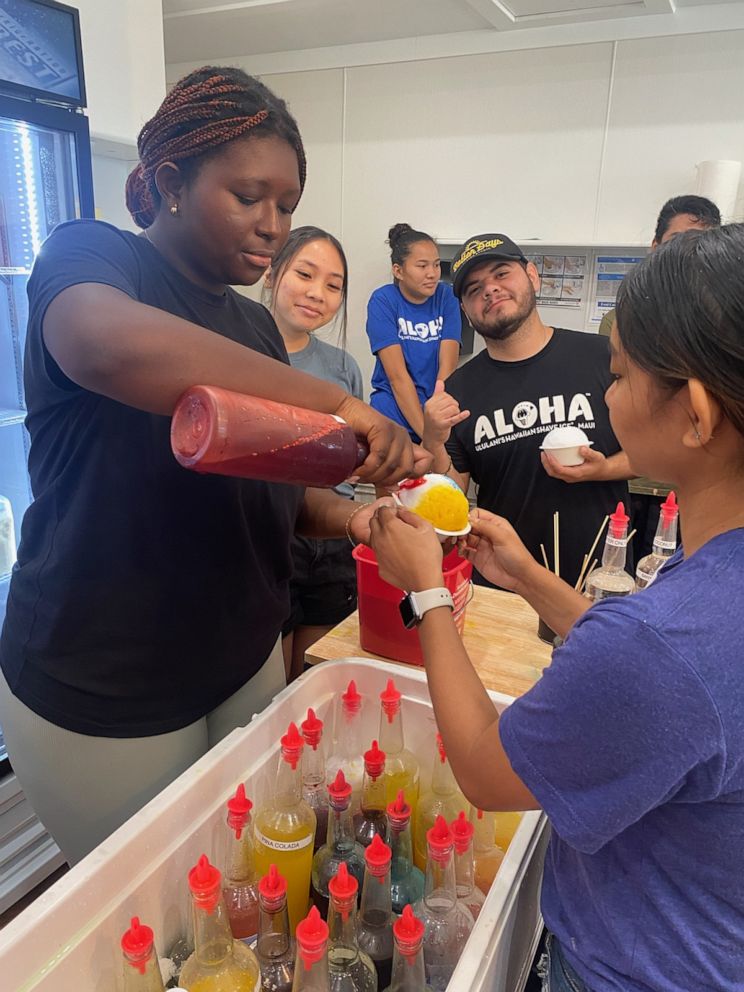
418	328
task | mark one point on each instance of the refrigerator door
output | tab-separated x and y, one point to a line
45	178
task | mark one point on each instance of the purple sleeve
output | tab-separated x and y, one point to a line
382	323
617	725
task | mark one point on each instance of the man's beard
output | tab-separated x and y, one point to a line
497	328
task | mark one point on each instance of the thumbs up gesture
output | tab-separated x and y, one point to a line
441	413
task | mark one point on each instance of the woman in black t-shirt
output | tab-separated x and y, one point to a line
144	614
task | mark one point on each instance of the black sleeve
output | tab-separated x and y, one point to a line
78	252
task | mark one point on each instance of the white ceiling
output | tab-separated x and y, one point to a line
203	30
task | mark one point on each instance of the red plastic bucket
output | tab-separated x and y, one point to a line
381	629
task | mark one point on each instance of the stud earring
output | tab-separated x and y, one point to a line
174	209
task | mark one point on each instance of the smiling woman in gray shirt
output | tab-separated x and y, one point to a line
306	290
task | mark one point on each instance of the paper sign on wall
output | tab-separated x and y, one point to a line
561	279
610	272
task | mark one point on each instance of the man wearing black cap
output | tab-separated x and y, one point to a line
529	379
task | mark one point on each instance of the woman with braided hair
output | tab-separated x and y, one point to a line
144	615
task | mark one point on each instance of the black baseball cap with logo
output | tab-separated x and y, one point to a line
479	249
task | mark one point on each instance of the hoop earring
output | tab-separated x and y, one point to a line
174	209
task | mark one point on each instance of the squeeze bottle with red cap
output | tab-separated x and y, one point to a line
341	845
468	892
487	852
240	888
347	753
351	970
313	775
141	969
611	579
226	433
371	819
219	963
284	828
275	948
406	880
408	955
443	797
311	964
447	923
401	765
375	923
664	546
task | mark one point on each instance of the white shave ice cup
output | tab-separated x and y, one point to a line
408	497
563	444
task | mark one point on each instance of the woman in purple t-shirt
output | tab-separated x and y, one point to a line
414	329
631	741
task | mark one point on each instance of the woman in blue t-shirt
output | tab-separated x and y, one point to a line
414	330
631	742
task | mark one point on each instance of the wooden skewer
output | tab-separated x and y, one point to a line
591	552
584	563
556	544
544	556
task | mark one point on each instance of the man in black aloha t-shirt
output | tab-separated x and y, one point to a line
530	378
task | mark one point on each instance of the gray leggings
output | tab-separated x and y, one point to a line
82	788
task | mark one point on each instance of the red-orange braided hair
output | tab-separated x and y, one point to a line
204	110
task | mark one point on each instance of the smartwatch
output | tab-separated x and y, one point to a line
414	605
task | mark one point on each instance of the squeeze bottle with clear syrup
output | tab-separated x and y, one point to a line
141	969
611	579
664	546
219	963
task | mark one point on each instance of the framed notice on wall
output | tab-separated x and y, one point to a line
561	279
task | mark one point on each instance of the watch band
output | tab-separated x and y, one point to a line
428	599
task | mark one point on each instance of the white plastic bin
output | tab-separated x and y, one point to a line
68	939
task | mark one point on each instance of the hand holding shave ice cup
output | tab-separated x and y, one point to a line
566	454
496	551
409	552
565	444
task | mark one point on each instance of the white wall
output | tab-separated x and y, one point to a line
109	177
124	63
578	143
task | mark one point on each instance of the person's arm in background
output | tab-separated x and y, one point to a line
325	514
441	413
449	354
449	345
382	331
403	386
109	343
410	556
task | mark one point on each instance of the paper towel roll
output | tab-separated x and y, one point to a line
719	181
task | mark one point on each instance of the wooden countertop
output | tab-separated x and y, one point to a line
500	636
